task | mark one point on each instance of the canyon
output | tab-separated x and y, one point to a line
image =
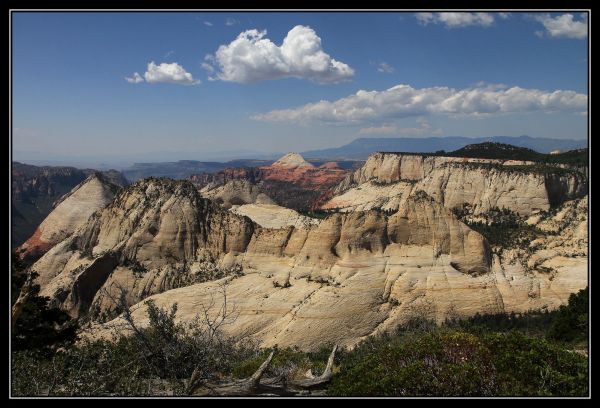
390	246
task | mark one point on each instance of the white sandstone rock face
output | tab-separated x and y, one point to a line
362	273
236	192
338	280
385	179
371	195
159	227
360	295
70	213
274	216
292	161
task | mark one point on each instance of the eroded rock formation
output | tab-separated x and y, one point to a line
387	178
70	212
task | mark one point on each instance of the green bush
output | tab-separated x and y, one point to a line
39	326
148	361
571	323
455	363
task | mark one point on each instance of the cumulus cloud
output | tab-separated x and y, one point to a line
563	26
403	101
458	19
385	68
424	129
170	73
208	23
135	78
252	58
231	21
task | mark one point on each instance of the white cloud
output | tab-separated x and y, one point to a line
563	26
405	101
170	73
251	58
231	21
168	54
457	19
207	67
208	23
135	78
385	68
504	16
424	129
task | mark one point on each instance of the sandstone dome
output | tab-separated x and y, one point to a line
292	161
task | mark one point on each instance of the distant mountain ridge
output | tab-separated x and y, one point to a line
360	149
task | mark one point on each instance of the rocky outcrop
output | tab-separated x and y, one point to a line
236	192
349	276
290	181
484	183
274	216
377	274
71	212
166	224
35	189
292	161
212	180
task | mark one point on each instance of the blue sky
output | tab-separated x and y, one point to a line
466	74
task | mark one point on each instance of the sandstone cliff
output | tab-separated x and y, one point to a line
236	192
152	234
274	216
35	189
349	276
71	211
379	272
522	186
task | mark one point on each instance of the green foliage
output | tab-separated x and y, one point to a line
534	323
39	326
456	363
289	362
154	360
503	227
502	151
527	366
18	276
571	323
486	355
317	213
136	267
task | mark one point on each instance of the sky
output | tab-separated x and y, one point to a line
199	85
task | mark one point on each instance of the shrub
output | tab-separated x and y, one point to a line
571	323
455	363
154	360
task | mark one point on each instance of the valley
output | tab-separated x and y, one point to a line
393	243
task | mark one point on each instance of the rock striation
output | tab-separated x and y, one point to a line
274	216
521	186
235	193
348	276
35	189
379	272
70	212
